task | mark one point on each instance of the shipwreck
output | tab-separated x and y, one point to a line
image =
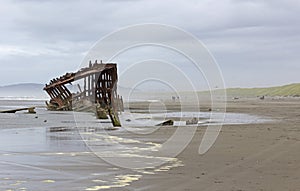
95	91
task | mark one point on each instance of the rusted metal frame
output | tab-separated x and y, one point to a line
97	98
69	94
101	90
102	87
70	77
50	93
82	74
109	87
65	80
62	93
89	85
113	89
57	97
85	86
93	88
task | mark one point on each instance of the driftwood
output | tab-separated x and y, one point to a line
30	110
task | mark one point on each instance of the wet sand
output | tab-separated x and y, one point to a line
258	156
245	157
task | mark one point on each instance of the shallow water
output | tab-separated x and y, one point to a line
87	155
34	158
152	119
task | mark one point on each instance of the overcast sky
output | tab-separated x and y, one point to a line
255	42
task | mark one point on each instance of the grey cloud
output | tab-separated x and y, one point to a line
257	34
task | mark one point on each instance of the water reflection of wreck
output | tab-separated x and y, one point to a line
97	91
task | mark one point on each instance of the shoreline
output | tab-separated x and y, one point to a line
244	157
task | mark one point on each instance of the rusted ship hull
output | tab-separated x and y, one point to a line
96	91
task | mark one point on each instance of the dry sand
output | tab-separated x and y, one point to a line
261	157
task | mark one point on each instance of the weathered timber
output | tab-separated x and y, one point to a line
30	110
98	93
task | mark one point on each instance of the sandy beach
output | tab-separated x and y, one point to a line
257	156
247	157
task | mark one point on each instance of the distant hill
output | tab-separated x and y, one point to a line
25	90
32	90
286	90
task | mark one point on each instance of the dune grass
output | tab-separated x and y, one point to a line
286	90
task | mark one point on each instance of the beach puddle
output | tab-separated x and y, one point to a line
180	118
